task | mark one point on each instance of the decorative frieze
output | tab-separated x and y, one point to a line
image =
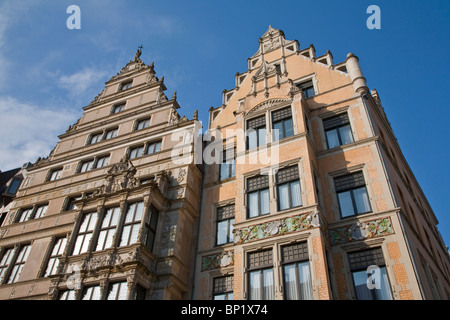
361	231
277	227
218	260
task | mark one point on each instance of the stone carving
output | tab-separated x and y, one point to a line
268	104
217	260
361	231
277	227
181	175
120	176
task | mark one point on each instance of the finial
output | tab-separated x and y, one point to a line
195	114
174	96
137	55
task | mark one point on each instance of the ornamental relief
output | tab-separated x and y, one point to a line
361	231
277	227
218	260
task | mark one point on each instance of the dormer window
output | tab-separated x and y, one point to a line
125	85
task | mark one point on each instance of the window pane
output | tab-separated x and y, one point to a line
219	296
384	293
261	137
305	281
230	235
134	233
361	289
222	232
125	236
346	204
264	201
253	200
296	195
290	286
283	196
255	285
332	138
288	128
14	186
269	289
362	200
252	139
346	134
278	131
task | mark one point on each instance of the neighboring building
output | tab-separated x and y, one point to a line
109	214
303	190
313	190
10	182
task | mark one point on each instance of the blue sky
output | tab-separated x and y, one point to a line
50	72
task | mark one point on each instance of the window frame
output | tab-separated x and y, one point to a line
52	264
305	84
229	219
226	290
226	165
345	122
256	128
107	229
295	262
283	119
52	172
32	213
125	85
288	182
118	108
93	163
144	121
260	270
356	175
257	190
84	234
16	267
133	223
16	188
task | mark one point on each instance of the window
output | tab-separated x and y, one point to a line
225	222
307	87
136	151
352	194
228	164
55	174
150	225
288	187
14	186
92	293
118	108
153	147
260	275
6	261
257	196
142	124
95	163
338	131
67	295
125	85
40	211
3	217
369	286
35	212
108	229
296	272
223	288
53	261
70	203
117	291
19	263
148	148
132	224
101	162
96	137
25	214
256	132
139	292
282	125
86	165
111	133
85	233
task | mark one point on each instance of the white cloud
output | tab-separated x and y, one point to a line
79	82
29	131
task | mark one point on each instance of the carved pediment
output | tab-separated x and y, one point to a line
267	105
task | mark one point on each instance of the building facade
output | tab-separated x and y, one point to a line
110	213
303	193
312	191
